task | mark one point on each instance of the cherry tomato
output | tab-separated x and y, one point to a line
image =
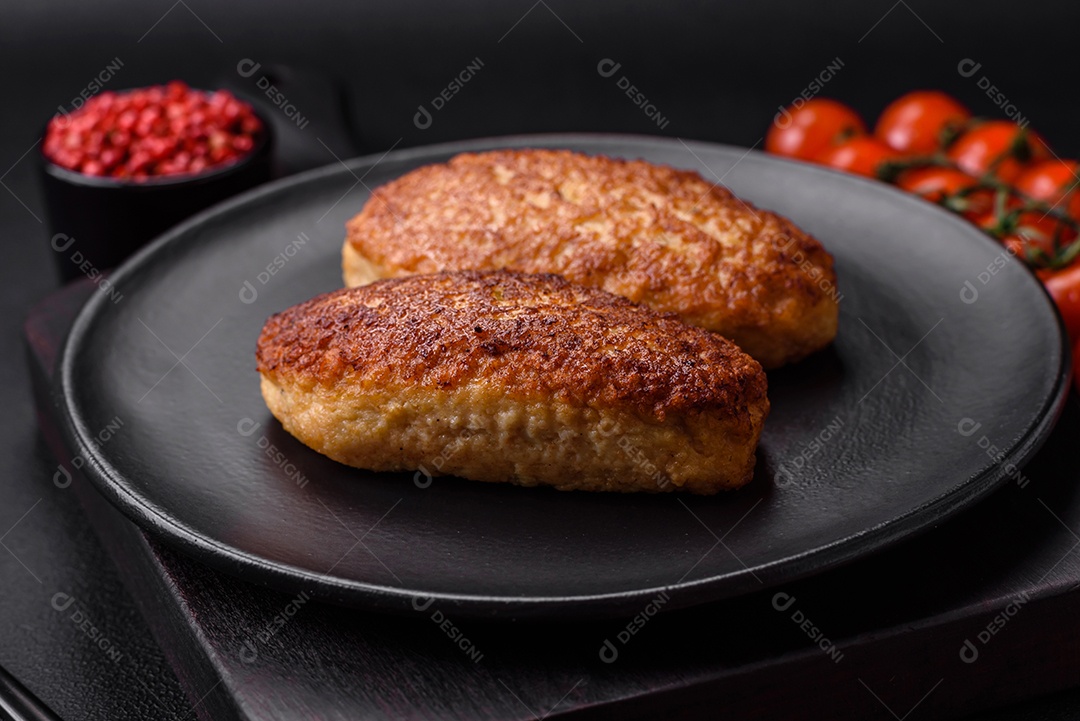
803	132
1015	245
938	184
916	123
861	155
974	204
1055	182
1000	146
935	183
989	222
1064	288
1034	229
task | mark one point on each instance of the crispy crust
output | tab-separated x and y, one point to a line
538	335
534	370
662	237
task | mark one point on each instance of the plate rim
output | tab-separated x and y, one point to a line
112	484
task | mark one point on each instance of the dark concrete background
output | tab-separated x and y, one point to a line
716	71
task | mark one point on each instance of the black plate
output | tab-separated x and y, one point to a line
925	404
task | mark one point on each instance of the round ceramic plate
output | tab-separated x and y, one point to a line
948	372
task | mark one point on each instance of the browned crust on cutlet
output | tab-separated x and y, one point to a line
537	336
663	237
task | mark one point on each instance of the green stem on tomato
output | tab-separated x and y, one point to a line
1067	255
890	170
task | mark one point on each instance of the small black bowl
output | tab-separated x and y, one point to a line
97	222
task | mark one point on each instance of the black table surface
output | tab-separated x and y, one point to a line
96	658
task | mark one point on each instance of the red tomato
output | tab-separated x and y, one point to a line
998	145
935	183
915	123
1015	245
977	203
1037	230
861	155
1064	288
989	222
803	132
1055	182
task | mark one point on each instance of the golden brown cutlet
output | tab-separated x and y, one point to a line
527	379
659	236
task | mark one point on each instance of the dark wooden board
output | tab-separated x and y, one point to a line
896	623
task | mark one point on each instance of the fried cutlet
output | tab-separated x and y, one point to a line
659	236
512	377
